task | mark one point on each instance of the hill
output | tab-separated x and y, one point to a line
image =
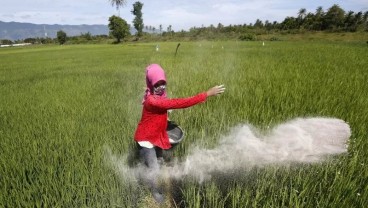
17	31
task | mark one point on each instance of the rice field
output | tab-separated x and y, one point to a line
62	107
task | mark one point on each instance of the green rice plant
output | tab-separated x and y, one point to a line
61	106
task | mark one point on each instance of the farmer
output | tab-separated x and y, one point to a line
151	134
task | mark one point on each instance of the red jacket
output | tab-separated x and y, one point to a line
152	126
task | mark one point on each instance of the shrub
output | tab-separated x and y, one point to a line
274	38
247	37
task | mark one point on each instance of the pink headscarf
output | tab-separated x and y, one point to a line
154	73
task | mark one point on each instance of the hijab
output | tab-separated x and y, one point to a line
154	74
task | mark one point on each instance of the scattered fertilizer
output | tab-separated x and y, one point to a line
302	140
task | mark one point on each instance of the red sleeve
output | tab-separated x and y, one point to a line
167	104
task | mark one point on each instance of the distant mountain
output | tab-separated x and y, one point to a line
19	31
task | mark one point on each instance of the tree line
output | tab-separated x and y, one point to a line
334	19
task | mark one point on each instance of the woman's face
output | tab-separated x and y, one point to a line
159	88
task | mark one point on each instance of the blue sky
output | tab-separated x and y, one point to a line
182	14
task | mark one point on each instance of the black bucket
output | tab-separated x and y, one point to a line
175	133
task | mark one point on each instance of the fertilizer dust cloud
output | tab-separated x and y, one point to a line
302	140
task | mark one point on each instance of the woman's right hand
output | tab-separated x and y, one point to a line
216	90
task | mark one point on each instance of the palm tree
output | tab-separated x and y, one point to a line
301	15
319	11
365	16
318	19
365	20
118	4
302	12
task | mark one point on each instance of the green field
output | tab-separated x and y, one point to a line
61	107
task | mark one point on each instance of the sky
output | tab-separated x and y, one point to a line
180	14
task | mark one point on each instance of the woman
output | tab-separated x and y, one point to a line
151	134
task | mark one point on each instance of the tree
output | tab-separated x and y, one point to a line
118	4
268	25
301	15
289	23
302	12
365	16
220	27
30	40
319	11
365	21
61	37
308	21
87	36
138	21
349	22
318	19
334	18
6	42
359	20
258	23
119	28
